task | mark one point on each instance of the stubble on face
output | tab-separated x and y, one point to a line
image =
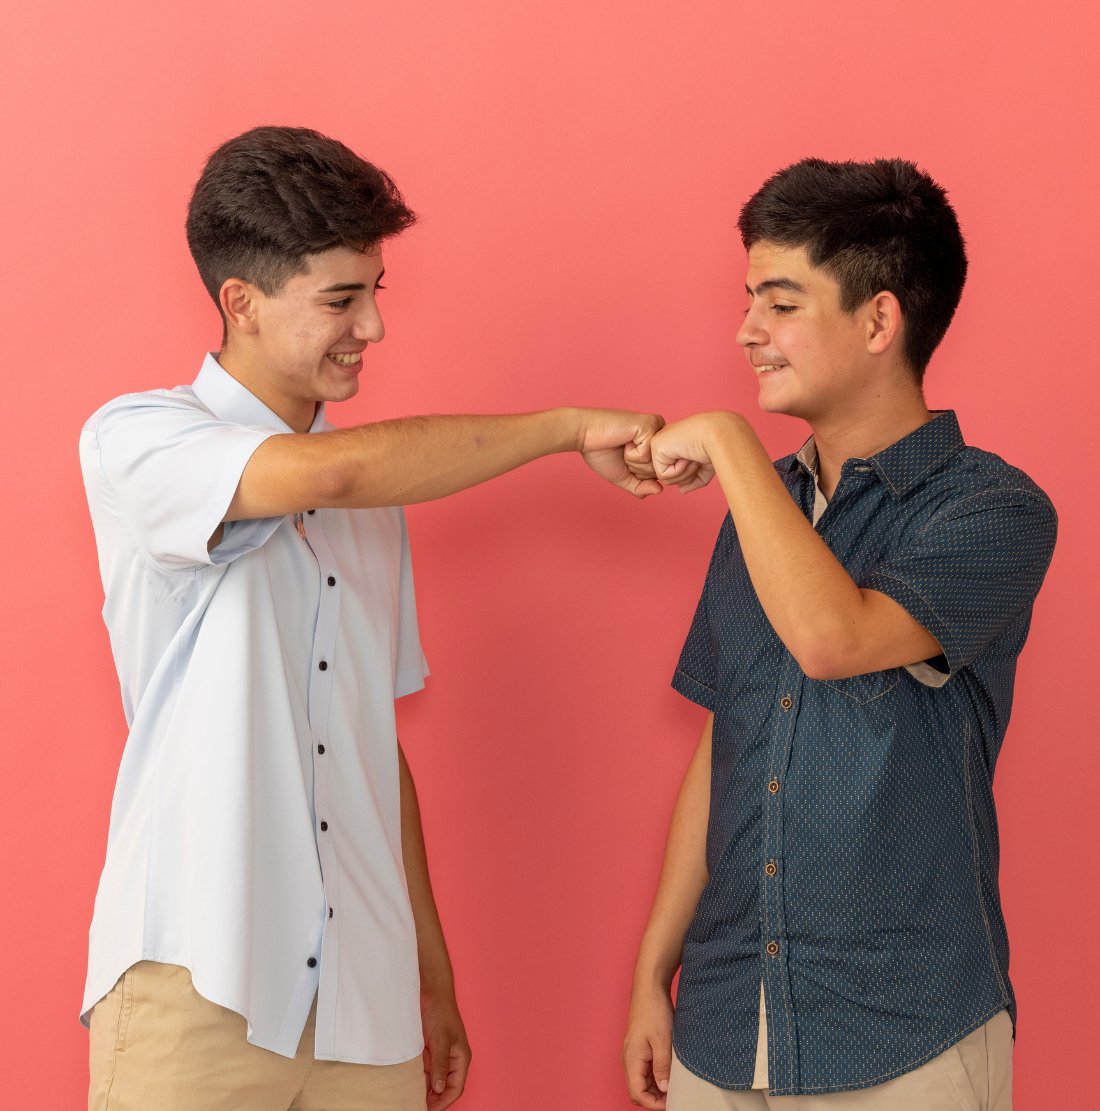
797	339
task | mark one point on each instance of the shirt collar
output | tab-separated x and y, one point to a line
228	400
906	462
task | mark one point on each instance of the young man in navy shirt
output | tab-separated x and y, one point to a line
829	891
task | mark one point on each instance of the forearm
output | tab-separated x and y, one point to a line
683	876
436	975
829	624
809	597
396	462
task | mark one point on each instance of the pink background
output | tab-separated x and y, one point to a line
579	167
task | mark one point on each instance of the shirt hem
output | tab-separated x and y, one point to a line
369	1060
826	1089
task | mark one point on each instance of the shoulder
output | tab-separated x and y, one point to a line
974	478
148	405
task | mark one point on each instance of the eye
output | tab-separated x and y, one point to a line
341	304
783	310
378	287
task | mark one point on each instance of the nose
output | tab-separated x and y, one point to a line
369	325
752	331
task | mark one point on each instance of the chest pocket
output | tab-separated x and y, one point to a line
866	688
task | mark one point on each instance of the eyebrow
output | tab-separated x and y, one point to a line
788	284
342	288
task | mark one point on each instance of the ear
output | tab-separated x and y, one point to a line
883	317
239	302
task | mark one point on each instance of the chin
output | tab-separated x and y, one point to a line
338	391
776	401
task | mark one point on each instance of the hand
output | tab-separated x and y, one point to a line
446	1049
647	1047
609	436
679	452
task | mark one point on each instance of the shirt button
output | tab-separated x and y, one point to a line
332	580
312	962
321	749
324	826
773	786
323	666
770	867
772	948
786	702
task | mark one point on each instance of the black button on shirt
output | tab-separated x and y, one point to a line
884	835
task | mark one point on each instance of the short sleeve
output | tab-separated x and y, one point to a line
696	674
412	667
975	567
173	468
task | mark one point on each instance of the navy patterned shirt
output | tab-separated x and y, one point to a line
852	843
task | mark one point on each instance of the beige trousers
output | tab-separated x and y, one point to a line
973	1075
157	1045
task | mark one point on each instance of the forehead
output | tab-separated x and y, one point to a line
341	265
770	263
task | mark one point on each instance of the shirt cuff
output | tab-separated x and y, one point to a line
921	612
411	679
693	689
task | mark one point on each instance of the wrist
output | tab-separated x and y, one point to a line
653	979
566	429
438	990
436	978
724	433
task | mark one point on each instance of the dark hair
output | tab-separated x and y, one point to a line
872	226
273	196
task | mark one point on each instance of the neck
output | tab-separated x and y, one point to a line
863	432
247	368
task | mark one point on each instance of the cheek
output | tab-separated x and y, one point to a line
792	338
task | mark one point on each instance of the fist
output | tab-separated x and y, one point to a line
679	455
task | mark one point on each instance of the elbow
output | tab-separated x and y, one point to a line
818	665
336	485
824	657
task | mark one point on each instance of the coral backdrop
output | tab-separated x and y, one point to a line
579	165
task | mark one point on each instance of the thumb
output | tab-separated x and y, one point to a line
662	1065
440	1057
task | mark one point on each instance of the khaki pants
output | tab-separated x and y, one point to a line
973	1075
157	1045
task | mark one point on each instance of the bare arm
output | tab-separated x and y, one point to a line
832	627
416	459
446	1049
647	1047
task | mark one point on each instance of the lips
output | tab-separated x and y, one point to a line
345	358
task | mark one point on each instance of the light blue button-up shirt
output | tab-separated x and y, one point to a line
258	681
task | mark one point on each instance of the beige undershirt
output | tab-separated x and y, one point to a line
760	1073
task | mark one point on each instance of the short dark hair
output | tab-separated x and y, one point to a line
273	196
872	226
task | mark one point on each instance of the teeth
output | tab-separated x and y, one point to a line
349	359
770	366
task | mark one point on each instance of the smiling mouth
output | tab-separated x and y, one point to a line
768	366
348	358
